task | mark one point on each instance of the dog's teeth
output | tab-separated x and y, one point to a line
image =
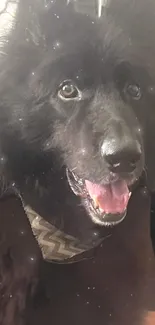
101	210
80	181
95	202
75	177
97	206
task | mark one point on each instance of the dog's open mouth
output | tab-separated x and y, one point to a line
106	204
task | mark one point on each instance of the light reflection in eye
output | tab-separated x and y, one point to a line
56	45
139	130
151	90
2	159
32	259
47	144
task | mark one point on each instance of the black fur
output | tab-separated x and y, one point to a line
41	134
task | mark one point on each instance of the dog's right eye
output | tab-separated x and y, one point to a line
133	91
68	91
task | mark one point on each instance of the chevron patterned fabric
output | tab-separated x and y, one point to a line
55	245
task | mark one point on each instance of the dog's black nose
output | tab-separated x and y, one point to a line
122	159
120	163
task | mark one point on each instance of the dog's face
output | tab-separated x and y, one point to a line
78	96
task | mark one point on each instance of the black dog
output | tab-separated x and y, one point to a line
76	116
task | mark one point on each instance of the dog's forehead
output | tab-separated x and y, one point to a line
76	21
91	7
64	19
72	24
64	15
59	28
74	30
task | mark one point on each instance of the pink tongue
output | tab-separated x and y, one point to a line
111	198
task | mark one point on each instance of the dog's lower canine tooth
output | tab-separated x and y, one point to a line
95	201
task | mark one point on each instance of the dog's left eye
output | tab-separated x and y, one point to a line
133	91
68	90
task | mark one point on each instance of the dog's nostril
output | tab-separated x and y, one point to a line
123	163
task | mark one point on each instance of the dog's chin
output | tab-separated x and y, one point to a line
107	204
